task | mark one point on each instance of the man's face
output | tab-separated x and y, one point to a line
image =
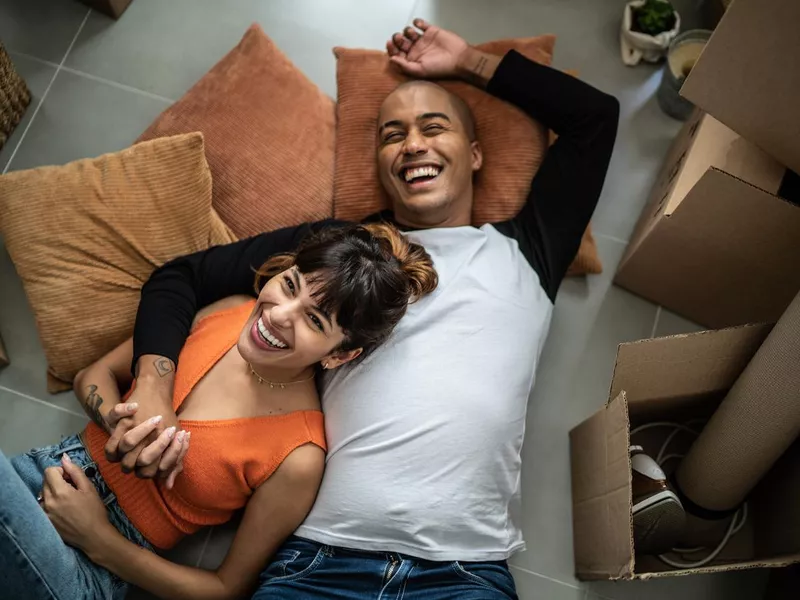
425	157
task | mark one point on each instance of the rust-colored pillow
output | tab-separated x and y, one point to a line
269	135
513	144
85	236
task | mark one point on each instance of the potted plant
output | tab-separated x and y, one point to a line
648	27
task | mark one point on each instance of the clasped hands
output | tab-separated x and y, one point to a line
145	437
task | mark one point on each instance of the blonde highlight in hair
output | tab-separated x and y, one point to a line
414	260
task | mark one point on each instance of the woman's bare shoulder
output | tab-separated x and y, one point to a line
225	303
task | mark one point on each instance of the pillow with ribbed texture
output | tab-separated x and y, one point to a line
84	237
513	144
269	135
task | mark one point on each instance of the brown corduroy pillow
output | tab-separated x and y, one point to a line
269	135
513	144
85	236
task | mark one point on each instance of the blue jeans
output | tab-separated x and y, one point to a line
34	561
302	569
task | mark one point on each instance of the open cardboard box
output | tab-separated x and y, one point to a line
748	75
716	243
675	379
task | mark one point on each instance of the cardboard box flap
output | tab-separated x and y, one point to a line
727	256
748	76
774	562
717	146
665	372
601	494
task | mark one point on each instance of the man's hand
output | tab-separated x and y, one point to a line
152	393
428	52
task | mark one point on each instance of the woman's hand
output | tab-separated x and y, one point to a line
120	411
428	51
73	506
166	453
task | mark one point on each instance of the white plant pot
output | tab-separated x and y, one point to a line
636	46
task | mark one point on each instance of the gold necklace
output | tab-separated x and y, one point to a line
274	384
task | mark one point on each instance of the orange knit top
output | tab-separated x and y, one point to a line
228	458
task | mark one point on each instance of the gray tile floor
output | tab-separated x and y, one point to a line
97	84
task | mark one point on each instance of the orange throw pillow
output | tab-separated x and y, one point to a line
513	144
269	135
84	237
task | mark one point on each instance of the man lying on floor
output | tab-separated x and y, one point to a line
421	491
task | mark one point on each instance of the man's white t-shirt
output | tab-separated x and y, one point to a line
424	436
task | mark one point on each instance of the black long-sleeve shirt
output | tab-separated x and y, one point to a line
548	229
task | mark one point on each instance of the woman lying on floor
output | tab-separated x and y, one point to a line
245	391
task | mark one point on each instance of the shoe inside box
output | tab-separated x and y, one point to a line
697	532
672	379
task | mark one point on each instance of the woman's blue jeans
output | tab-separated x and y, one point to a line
34	562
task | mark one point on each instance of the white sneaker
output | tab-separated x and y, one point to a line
658	515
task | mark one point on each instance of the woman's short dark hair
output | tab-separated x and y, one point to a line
366	274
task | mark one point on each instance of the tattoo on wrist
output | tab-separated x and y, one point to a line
163	366
92	406
475	74
480	66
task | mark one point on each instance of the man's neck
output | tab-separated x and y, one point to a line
409	222
453	216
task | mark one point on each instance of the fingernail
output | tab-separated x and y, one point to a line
170	432
188	435
66	458
133	406
156	420
181	435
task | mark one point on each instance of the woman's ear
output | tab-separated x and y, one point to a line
337	359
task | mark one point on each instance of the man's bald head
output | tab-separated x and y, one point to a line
460	108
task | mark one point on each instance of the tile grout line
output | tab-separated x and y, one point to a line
610	237
655	322
413	10
97	78
42	61
535	574
47	89
117	84
40	401
205	545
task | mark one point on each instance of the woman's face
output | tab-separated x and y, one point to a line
287	330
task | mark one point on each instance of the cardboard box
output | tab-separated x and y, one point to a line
748	75
715	242
672	379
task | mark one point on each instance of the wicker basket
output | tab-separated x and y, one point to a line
3	356
14	96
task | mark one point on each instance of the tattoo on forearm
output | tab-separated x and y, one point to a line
92	406
163	366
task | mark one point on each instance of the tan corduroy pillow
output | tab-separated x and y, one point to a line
269	135
513	144
85	236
